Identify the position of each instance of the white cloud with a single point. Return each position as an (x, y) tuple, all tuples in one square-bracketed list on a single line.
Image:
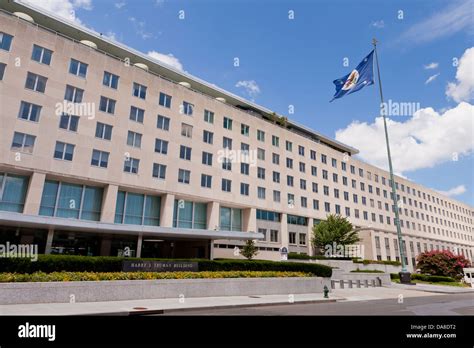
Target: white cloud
[(378, 24), (425, 140), (432, 65), (167, 59), (447, 21), (120, 4), (63, 8), (431, 78), (111, 35), (463, 89), (140, 28), (455, 191), (158, 3), (250, 87)]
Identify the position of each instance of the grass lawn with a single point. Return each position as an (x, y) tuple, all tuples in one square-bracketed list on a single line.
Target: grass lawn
[(457, 284)]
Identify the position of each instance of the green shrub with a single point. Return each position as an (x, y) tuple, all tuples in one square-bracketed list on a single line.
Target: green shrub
[(377, 262), (97, 276), (442, 263), (73, 263), (425, 278)]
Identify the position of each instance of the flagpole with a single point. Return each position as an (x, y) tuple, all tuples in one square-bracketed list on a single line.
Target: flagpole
[(405, 275)]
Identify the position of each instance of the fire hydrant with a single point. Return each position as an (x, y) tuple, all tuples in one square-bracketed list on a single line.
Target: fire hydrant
[(326, 291)]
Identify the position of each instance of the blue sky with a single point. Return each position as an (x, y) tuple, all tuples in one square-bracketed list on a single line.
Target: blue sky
[(294, 61)]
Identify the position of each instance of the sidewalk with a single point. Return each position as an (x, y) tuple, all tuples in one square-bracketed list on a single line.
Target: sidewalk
[(158, 306), (442, 289)]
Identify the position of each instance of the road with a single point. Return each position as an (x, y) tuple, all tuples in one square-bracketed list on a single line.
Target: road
[(452, 304)]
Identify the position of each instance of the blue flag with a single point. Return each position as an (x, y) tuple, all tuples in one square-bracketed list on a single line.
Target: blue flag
[(357, 79)]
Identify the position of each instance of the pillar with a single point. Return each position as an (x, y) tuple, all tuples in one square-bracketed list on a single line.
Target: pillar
[(309, 236), (284, 239), (49, 241), (167, 209), (250, 220), (34, 194), (213, 216), (139, 246), (109, 203)]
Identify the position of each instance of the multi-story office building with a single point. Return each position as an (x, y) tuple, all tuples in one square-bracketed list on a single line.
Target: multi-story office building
[(104, 148)]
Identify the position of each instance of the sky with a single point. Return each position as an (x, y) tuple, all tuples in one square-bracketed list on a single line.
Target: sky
[(289, 52)]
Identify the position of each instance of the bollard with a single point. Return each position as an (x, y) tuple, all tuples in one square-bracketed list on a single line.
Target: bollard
[(358, 283), (350, 284), (341, 284), (366, 283), (373, 283), (333, 284)]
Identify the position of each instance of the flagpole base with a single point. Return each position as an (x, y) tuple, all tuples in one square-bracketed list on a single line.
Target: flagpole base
[(405, 278)]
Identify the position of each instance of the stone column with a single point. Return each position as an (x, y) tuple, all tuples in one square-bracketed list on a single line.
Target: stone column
[(309, 236), (34, 194), (250, 220), (284, 239), (139, 246), (213, 215), (49, 241), (167, 208), (109, 203)]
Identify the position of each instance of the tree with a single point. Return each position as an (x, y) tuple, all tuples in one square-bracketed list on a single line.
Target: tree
[(442, 263), (335, 231), (249, 250)]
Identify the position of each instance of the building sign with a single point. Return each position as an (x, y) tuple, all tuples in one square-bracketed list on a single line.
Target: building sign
[(159, 266), (284, 253)]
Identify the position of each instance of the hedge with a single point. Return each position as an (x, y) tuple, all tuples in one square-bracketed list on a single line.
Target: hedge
[(425, 278), (73, 263), (377, 262), (95, 276), (296, 256)]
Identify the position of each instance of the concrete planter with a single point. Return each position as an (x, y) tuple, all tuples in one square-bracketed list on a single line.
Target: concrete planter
[(120, 290), (348, 265)]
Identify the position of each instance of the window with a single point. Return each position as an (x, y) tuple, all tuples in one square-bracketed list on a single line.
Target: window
[(289, 146), (261, 154), (300, 150), (227, 143), (264, 232), (107, 105), (315, 204), (29, 111), (206, 180), (226, 185), (314, 171), (274, 236), (187, 108), (275, 141), (78, 68), (103, 131), (131, 165), (185, 152), (276, 177), (312, 155), (302, 184), (245, 148), (64, 151), (12, 191), (69, 122), (275, 159), (136, 114), (184, 176), (289, 180), (161, 146), (304, 202), (325, 174), (73, 94), (137, 209), (186, 130), (227, 123), (207, 137), (159, 171), (302, 167), (208, 116), (315, 187), (71, 201), (323, 158), (327, 207), (292, 237), (289, 163), (165, 100), (139, 90), (110, 80), (163, 123), (2, 70), (226, 163), (244, 189), (5, 41), (344, 166), (36, 82), (189, 214), (134, 139), (244, 168), (244, 130), (260, 135), (276, 196), (100, 158), (334, 177), (334, 162), (302, 238), (207, 158), (230, 219), (261, 192), (41, 55), (261, 173), (23, 142)]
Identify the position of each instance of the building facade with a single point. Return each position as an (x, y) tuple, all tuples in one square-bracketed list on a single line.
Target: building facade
[(106, 151)]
